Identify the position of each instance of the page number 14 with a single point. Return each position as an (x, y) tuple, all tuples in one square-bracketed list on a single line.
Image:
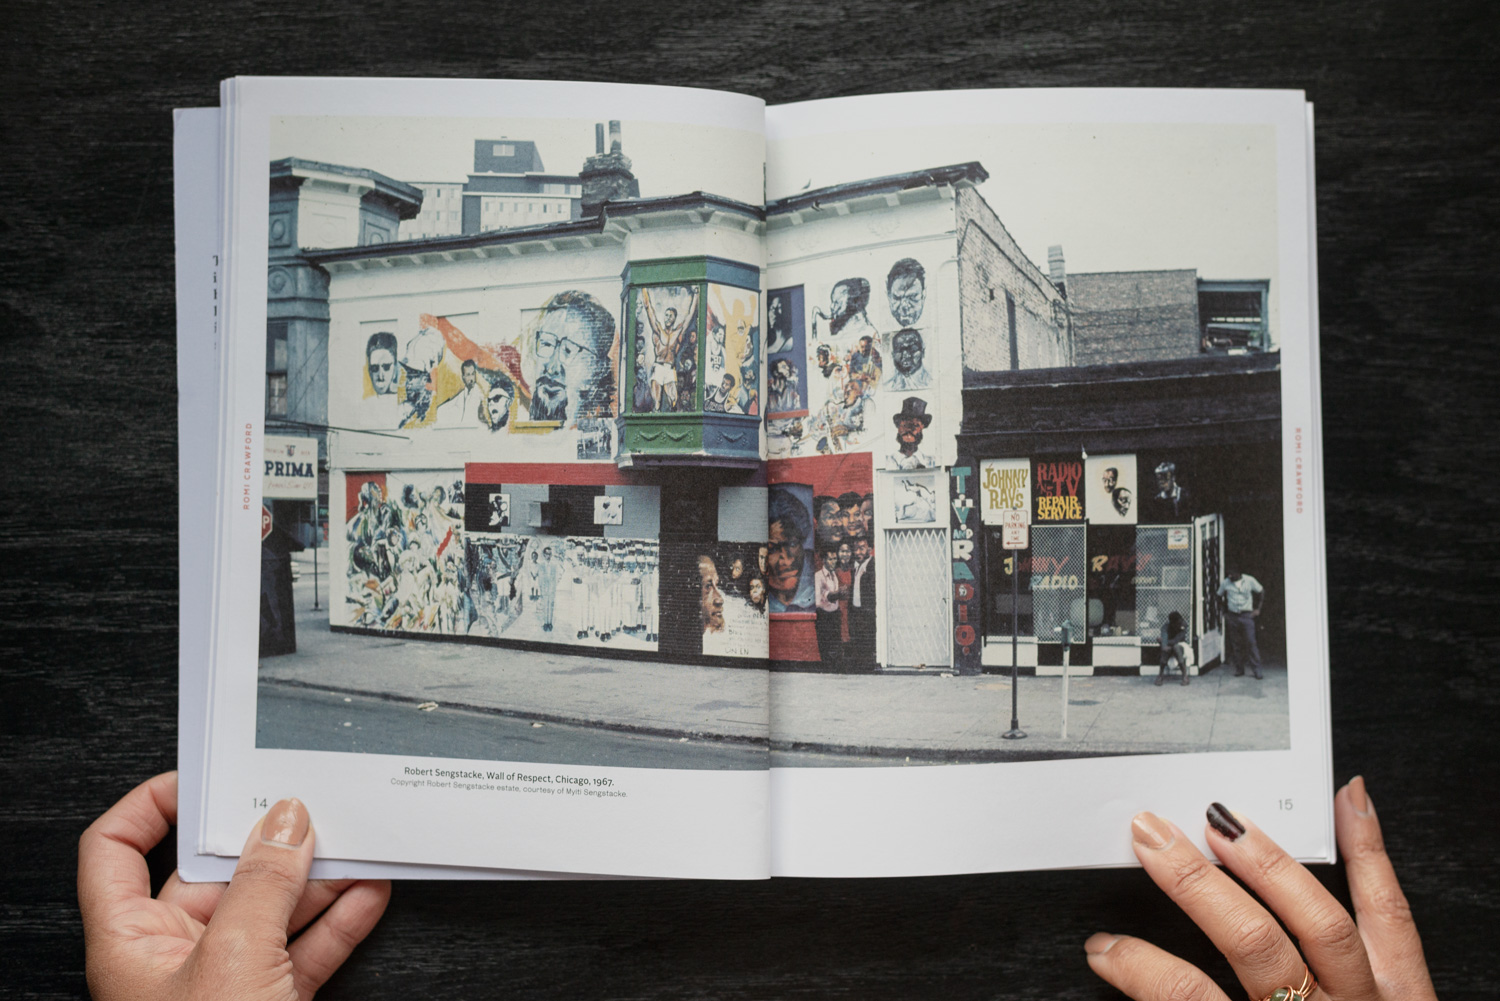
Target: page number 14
[(1283, 805), (260, 804)]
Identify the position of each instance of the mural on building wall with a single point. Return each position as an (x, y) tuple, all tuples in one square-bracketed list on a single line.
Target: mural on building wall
[(840, 632), (443, 378), (906, 291), (1059, 491), (581, 590), (786, 362), (596, 438), (405, 568), (558, 370), (789, 542), (833, 379), (910, 423), (1168, 499), (570, 353), (732, 600), (1005, 485), (1110, 489), (731, 383), (666, 349), (908, 361), (914, 499), (847, 317)]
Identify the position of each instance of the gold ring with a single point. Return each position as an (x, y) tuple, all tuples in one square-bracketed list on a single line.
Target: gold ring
[(1294, 993)]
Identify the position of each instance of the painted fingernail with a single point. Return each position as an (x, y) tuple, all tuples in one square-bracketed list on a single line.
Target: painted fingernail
[(286, 824), (1221, 820), (1358, 797), (1099, 943), (1150, 831)]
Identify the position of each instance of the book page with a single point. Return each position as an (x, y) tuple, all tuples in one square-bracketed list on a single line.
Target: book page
[(1044, 432), (496, 346)]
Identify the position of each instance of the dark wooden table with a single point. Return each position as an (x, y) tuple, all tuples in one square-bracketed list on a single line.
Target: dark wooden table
[(1407, 213)]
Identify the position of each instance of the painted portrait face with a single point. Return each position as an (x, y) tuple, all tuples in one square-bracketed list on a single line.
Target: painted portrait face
[(830, 520), (845, 554), (760, 558), (773, 312), (1109, 478), (737, 569), (783, 559), (867, 515), (909, 431), (757, 591), (710, 598), (907, 351), (383, 370), (573, 364), (862, 549), (1122, 499), (470, 373), (831, 559), (669, 316), (498, 403), (838, 299), (908, 293)]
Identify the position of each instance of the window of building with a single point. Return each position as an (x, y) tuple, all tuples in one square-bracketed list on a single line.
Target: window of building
[(276, 367), (504, 149), (1232, 317)]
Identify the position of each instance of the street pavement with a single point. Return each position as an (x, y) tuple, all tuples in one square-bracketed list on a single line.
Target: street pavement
[(821, 719)]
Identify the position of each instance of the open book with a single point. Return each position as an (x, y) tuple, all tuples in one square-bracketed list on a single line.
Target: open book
[(621, 480)]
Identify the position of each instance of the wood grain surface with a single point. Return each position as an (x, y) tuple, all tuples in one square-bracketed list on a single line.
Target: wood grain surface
[(1407, 213)]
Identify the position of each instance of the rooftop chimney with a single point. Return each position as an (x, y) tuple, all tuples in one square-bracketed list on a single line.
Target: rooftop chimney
[(606, 177), (1055, 268)]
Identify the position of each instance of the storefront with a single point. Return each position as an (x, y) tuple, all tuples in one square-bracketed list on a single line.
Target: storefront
[(1095, 567)]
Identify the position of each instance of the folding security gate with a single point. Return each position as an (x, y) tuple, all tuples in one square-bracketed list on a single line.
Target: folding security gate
[(917, 576)]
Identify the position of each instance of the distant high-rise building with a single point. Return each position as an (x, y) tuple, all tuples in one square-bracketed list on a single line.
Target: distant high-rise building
[(509, 188)]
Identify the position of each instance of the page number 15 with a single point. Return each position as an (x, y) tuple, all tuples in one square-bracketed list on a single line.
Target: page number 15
[(1283, 805)]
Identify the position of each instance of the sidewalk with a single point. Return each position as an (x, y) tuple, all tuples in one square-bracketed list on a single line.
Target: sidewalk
[(924, 718)]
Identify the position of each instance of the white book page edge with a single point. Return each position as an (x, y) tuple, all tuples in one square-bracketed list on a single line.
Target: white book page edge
[(1076, 813), (669, 822)]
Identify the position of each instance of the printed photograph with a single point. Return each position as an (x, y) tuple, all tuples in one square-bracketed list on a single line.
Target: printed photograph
[(577, 499), (1073, 328), (533, 522)]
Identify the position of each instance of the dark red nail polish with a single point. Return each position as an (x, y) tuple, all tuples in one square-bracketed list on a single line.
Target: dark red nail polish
[(1221, 820)]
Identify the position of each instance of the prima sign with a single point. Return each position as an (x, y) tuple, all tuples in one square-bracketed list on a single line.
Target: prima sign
[(290, 468)]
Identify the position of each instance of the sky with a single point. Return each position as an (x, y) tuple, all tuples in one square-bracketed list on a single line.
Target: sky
[(667, 159), (1116, 197)]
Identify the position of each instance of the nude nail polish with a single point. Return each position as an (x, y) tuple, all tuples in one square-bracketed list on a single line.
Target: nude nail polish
[(1150, 831), (286, 824), (1221, 820), (1359, 798), (1100, 943)]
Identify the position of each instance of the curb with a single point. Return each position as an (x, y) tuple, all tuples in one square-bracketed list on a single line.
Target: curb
[(541, 717)]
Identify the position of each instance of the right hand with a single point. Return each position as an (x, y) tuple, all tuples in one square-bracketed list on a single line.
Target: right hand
[(1375, 955)]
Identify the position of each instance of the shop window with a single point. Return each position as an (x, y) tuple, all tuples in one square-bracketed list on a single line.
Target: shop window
[(1232, 317), (1112, 580), (1163, 576), (276, 369)]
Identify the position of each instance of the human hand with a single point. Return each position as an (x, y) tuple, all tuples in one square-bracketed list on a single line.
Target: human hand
[(1373, 956), (214, 940)]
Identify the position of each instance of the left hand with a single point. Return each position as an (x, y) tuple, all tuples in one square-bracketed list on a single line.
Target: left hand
[(214, 940)]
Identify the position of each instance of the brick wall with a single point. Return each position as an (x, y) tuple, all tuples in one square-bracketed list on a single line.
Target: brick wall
[(1130, 316), (1012, 315)]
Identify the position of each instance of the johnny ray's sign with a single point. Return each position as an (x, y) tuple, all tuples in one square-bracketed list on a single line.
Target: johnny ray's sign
[(291, 469)]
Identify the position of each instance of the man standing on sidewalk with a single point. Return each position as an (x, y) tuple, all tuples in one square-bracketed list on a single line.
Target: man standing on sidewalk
[(1242, 595)]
